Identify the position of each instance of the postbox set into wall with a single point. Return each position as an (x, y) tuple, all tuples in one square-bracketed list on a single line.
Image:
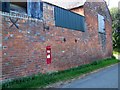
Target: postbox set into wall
[(48, 54)]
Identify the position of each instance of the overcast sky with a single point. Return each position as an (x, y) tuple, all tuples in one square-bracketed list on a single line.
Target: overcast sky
[(112, 3)]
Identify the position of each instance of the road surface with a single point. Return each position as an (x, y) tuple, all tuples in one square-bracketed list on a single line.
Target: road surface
[(106, 78)]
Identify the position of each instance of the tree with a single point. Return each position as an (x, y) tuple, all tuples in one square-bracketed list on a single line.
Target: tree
[(115, 13)]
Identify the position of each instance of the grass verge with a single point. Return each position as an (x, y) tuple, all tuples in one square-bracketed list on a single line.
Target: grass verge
[(42, 80)]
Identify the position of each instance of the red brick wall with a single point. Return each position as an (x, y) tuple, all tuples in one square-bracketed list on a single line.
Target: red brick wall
[(0, 47), (92, 9), (24, 49), (79, 10)]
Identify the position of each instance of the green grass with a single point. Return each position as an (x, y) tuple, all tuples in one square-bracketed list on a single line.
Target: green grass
[(42, 80)]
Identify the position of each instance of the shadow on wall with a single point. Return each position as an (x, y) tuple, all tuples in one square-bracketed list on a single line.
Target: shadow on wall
[(17, 8)]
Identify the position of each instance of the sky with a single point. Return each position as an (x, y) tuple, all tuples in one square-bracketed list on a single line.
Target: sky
[(112, 3)]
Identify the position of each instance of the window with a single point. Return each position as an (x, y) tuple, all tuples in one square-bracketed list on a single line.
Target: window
[(68, 19), (5, 6), (101, 24), (101, 30), (18, 7), (32, 9)]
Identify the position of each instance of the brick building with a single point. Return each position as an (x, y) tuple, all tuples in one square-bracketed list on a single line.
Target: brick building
[(76, 35)]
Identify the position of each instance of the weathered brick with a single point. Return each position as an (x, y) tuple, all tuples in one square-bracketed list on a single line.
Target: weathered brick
[(25, 52)]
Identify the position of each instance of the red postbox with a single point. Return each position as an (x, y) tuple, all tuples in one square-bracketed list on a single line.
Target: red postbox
[(48, 54)]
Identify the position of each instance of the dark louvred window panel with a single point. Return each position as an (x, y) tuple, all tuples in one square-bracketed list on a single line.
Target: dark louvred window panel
[(67, 19), (5, 6)]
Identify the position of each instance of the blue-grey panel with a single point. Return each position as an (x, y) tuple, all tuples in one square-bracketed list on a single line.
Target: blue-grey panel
[(35, 9), (101, 24), (68, 19)]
